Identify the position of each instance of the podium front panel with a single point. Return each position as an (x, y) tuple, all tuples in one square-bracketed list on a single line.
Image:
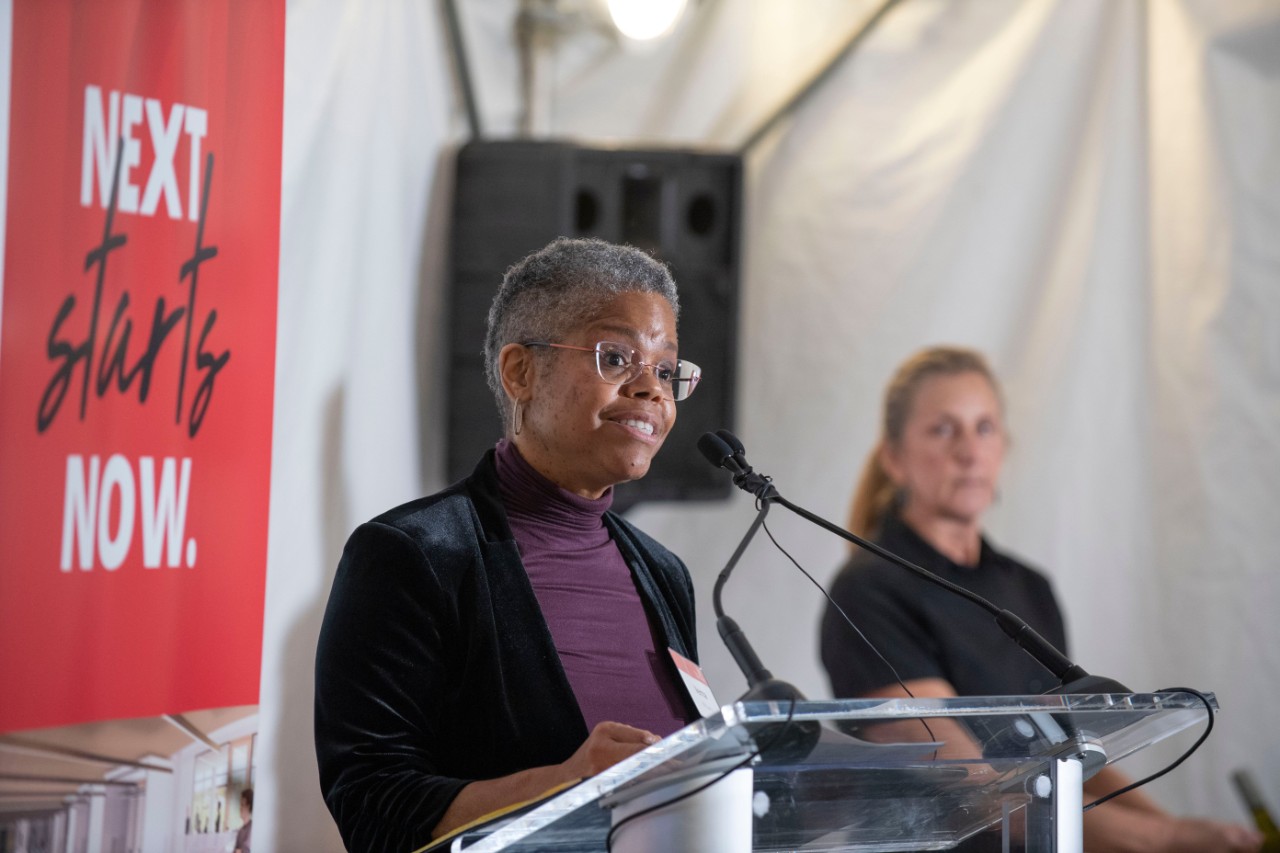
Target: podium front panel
[(970, 773)]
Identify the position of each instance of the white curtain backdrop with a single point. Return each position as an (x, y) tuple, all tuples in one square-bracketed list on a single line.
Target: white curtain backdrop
[(1089, 191), (367, 111)]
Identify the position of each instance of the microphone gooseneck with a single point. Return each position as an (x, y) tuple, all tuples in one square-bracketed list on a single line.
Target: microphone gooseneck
[(761, 685), (724, 450)]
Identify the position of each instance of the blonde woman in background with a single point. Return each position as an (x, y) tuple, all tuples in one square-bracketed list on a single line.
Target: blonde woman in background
[(922, 495)]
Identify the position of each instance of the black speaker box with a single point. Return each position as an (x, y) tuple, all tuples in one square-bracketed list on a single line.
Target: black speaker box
[(683, 207)]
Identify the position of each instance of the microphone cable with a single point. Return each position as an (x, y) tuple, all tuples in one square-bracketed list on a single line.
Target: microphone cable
[(850, 623), (1203, 736), (757, 752)]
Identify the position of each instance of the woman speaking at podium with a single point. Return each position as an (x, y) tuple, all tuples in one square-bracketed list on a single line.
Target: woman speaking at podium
[(922, 495), (509, 634)]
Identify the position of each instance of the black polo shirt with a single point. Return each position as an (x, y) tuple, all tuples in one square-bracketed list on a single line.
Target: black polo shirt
[(926, 631)]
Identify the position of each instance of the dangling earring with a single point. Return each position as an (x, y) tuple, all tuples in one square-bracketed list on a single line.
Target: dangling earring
[(517, 418)]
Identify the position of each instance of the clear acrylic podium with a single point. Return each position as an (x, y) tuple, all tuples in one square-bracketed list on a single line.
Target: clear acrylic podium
[(974, 773)]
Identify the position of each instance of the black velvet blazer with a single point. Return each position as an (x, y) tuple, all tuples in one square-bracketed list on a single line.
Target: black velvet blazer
[(435, 666)]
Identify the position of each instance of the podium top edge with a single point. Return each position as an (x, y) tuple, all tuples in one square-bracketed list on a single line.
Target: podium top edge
[(1155, 702)]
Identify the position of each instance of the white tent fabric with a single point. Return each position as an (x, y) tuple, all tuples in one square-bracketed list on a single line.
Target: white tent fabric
[(1088, 191), (366, 114)]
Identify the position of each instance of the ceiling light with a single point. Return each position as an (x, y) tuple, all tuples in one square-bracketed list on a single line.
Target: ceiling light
[(643, 20)]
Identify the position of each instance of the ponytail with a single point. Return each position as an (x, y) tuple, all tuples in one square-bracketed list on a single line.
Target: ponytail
[(873, 498)]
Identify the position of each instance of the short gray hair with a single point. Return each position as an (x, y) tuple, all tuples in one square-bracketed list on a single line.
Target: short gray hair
[(551, 291)]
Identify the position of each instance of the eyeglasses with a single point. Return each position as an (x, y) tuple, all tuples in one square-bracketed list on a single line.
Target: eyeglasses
[(619, 364)]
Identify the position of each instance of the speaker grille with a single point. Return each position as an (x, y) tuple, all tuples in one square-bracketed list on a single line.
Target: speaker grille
[(683, 207)]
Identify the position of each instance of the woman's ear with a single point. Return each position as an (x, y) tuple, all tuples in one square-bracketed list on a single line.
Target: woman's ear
[(889, 462), (516, 369)]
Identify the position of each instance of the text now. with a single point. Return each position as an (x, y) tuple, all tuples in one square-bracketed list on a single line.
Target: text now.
[(93, 491)]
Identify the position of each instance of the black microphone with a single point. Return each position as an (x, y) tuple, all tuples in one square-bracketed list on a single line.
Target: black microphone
[(786, 742), (731, 440), (724, 450), (718, 452), (761, 685)]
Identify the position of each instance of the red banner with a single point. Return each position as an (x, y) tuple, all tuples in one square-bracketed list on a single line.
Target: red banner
[(137, 354)]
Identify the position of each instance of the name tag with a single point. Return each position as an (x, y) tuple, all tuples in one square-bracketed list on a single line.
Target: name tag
[(696, 684)]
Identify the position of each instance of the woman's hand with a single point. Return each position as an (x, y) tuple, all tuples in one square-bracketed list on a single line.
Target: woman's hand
[(1116, 828), (607, 744), (1198, 835)]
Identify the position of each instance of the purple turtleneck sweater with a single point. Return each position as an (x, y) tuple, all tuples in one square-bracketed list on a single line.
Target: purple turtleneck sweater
[(611, 651)]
